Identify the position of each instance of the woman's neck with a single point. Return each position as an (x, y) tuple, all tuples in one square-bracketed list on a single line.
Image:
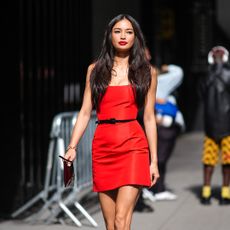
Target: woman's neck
[(121, 60)]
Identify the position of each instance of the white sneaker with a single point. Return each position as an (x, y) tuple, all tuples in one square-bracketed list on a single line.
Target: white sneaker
[(165, 196), (146, 194)]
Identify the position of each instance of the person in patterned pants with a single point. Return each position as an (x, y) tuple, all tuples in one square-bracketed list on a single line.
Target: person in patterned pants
[(216, 148)]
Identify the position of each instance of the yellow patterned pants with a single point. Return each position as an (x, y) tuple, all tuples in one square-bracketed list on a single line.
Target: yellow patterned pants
[(212, 150)]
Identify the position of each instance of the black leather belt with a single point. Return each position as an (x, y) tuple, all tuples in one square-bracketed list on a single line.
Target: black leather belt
[(113, 121)]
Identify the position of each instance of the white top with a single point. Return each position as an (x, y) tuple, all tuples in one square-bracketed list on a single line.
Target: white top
[(168, 82)]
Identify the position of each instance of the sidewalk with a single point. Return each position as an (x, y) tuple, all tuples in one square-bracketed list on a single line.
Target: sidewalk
[(186, 213)]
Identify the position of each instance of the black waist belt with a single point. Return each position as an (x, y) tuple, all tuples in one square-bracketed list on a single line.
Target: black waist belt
[(113, 121)]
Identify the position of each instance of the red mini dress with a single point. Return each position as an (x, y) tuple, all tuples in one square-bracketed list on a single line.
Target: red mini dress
[(120, 152)]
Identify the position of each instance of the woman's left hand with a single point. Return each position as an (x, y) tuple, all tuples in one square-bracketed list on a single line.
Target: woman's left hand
[(154, 173)]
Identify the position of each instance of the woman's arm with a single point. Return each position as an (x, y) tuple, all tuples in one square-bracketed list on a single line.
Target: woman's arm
[(150, 126), (82, 118)]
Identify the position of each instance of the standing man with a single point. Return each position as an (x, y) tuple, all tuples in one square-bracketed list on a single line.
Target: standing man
[(216, 97)]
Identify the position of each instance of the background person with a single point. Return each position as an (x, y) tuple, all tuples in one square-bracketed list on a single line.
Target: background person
[(170, 123), (215, 89)]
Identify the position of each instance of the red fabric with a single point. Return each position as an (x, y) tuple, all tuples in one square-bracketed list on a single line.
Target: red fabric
[(120, 151)]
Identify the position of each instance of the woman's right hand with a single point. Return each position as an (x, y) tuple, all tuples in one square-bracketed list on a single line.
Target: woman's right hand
[(70, 154)]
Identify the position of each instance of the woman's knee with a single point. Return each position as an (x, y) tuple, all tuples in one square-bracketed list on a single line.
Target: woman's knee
[(121, 222)]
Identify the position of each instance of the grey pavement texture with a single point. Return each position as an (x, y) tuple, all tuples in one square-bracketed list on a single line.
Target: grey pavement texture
[(186, 213)]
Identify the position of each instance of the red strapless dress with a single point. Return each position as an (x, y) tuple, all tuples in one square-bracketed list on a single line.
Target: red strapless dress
[(120, 151)]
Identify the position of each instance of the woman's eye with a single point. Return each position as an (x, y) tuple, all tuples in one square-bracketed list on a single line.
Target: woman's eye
[(129, 32), (116, 31)]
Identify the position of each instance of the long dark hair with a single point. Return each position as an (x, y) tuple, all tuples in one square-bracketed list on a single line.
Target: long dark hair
[(139, 74)]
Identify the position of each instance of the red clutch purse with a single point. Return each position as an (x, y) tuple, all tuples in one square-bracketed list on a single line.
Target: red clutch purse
[(68, 172)]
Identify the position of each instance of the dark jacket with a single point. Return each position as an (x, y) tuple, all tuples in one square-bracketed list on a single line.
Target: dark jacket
[(216, 97)]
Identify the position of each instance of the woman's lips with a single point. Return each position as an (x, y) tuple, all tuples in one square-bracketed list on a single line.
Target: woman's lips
[(122, 43)]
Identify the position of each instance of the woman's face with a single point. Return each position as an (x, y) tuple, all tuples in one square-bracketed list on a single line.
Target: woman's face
[(123, 35)]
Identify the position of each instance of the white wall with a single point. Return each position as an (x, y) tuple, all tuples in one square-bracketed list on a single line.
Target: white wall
[(103, 11)]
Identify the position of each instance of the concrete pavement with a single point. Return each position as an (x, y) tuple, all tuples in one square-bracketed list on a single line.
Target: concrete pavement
[(186, 213)]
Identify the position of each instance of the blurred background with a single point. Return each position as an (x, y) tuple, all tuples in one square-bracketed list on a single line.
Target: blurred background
[(46, 48)]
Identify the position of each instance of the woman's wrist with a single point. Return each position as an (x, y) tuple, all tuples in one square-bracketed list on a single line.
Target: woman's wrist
[(154, 162), (74, 147)]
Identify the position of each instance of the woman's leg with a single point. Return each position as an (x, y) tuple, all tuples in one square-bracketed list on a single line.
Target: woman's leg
[(108, 203), (126, 199)]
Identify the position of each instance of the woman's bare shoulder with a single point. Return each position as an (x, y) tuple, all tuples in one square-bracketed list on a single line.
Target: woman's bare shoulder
[(89, 70), (153, 70), (91, 66)]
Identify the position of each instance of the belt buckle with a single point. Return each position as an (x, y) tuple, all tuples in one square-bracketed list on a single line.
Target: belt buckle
[(112, 120)]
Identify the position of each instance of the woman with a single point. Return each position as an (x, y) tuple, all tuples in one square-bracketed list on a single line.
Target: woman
[(117, 84)]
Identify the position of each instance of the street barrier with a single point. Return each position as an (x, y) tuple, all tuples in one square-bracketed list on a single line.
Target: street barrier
[(55, 197)]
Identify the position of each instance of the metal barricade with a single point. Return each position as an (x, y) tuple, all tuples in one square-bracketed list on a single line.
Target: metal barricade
[(53, 193)]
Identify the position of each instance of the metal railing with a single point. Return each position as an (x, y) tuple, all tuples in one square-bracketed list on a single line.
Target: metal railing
[(56, 198)]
